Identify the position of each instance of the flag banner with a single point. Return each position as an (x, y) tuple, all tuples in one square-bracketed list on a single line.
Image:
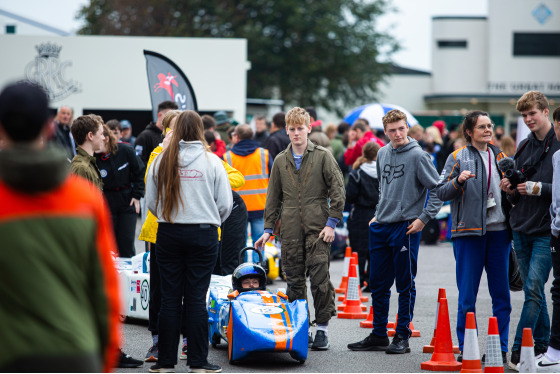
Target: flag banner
[(168, 82)]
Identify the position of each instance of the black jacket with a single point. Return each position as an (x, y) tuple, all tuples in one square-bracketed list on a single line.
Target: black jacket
[(122, 172), (146, 141), (530, 214), (261, 137), (63, 139), (277, 142), (362, 190)]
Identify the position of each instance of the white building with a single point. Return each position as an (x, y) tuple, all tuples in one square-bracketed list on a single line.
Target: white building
[(107, 74), (11, 23), (485, 63)]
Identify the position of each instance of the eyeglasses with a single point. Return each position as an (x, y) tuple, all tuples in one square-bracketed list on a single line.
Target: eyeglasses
[(490, 126)]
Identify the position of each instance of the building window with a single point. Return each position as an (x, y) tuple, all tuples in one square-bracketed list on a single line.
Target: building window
[(452, 44), (10, 29), (536, 44)]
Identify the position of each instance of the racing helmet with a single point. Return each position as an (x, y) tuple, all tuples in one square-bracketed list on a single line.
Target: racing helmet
[(248, 270)]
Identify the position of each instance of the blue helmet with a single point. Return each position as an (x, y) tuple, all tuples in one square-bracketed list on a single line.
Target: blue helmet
[(248, 270)]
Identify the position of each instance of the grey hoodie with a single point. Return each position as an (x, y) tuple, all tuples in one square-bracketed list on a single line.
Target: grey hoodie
[(205, 187), (405, 175)]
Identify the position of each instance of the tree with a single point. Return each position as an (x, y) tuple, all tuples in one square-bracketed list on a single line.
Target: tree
[(314, 52)]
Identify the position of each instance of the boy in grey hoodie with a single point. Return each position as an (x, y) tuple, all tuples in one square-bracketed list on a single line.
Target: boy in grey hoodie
[(405, 173)]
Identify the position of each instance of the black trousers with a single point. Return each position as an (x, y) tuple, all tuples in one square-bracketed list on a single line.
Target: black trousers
[(234, 237), (358, 234), (155, 296), (555, 291), (124, 220), (186, 256)]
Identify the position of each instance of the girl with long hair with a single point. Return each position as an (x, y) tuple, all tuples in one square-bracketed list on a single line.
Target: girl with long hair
[(188, 190)]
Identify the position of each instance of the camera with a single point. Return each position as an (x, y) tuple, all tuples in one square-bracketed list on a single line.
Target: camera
[(515, 177), (507, 166)]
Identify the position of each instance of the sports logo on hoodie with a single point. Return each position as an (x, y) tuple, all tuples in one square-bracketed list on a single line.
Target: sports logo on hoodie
[(391, 172)]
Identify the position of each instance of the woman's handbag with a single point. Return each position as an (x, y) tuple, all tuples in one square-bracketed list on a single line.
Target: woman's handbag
[(515, 282)]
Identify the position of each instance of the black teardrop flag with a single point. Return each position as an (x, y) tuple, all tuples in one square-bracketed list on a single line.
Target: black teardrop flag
[(168, 82)]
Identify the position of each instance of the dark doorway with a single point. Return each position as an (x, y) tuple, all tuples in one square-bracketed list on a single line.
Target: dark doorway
[(138, 118)]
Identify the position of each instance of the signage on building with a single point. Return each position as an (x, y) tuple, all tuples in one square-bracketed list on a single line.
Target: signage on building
[(48, 71), (542, 13), (521, 87)]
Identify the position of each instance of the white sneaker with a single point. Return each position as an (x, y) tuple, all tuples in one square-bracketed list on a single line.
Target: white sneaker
[(537, 358), (546, 366)]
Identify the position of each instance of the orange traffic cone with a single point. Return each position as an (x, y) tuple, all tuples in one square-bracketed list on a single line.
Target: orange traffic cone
[(430, 347), (362, 298), (494, 362), (391, 330), (443, 358), (343, 305), (353, 308), (527, 363), (368, 322), (344, 281), (415, 333), (353, 262), (471, 352)]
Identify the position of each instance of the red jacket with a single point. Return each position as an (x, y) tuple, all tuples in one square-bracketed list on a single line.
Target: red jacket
[(352, 154), (220, 148)]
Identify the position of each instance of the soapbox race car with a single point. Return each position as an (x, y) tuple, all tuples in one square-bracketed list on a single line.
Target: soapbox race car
[(253, 319)]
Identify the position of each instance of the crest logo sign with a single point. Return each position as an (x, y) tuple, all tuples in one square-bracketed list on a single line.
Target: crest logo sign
[(48, 71)]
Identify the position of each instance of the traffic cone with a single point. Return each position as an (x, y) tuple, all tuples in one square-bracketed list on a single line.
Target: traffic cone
[(353, 308), (368, 322), (344, 281), (471, 352), (353, 262), (415, 333), (430, 347), (443, 358), (494, 362), (391, 330), (362, 298), (527, 363)]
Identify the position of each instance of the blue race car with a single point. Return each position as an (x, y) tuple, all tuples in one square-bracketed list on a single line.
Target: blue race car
[(251, 319)]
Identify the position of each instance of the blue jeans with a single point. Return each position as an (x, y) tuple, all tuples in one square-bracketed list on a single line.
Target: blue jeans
[(187, 255), (472, 255), (257, 228), (533, 256), (393, 258)]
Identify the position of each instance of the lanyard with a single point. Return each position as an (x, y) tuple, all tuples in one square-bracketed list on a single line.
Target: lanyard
[(489, 171)]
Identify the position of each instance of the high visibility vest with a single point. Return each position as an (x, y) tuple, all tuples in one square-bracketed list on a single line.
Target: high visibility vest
[(254, 169)]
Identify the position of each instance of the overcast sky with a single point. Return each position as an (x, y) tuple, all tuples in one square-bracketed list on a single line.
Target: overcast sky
[(410, 24)]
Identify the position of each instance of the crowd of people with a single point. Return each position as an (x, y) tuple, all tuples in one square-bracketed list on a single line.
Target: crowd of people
[(203, 186)]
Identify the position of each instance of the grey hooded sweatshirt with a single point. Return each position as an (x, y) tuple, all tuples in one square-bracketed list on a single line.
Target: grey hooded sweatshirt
[(205, 188), (405, 176)]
